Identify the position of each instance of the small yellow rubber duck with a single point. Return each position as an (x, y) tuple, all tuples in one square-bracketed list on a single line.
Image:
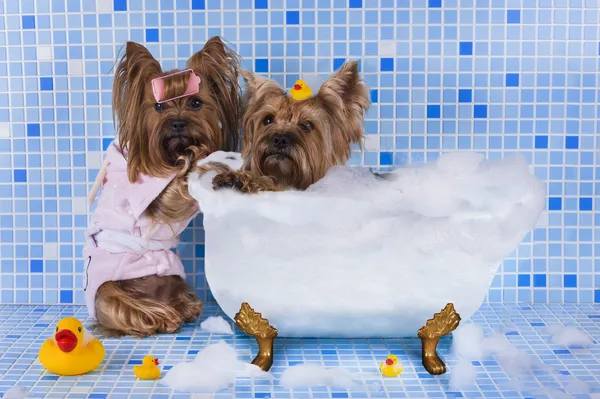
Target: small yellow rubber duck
[(391, 367), (71, 351), (148, 370), (300, 91)]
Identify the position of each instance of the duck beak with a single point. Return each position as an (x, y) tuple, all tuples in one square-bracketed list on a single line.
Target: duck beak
[(156, 362), (297, 87), (66, 340), (389, 362)]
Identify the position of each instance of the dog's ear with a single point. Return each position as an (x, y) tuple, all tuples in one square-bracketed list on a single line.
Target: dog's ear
[(346, 97), (219, 68), (133, 73), (259, 88)]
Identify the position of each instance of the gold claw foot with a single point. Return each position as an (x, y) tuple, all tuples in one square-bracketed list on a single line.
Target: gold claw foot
[(443, 323), (252, 323)]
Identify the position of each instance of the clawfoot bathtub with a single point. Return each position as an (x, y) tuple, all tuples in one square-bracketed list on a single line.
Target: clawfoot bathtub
[(357, 256)]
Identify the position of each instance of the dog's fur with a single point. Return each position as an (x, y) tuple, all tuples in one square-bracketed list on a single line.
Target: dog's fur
[(292, 144), (148, 305)]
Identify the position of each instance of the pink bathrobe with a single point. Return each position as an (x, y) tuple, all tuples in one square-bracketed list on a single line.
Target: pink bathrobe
[(121, 243)]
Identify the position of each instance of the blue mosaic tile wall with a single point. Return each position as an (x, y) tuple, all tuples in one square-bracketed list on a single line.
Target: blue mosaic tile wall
[(496, 76)]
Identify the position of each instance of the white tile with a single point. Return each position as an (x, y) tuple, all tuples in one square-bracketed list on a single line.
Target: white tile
[(44, 53), (94, 160), (387, 48), (4, 129), (80, 205), (50, 250), (372, 142), (75, 67), (104, 5), (79, 390)]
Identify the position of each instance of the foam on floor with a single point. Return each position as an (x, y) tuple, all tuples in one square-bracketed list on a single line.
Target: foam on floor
[(349, 255), (215, 368), (568, 336), (311, 375), (216, 325)]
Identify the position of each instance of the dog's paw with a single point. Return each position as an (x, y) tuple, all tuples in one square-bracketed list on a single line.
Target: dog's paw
[(227, 180)]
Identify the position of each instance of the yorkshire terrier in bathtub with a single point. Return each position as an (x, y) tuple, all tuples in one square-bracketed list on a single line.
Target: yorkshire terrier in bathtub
[(166, 122), (291, 144)]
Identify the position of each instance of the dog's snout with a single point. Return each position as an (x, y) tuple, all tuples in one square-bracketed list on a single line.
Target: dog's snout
[(178, 125), (281, 141)]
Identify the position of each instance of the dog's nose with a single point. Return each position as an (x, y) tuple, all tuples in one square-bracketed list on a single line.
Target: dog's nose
[(178, 125), (281, 141)]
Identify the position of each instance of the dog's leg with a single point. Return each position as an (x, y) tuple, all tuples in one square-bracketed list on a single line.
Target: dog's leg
[(244, 182), (443, 323), (136, 307), (185, 301)]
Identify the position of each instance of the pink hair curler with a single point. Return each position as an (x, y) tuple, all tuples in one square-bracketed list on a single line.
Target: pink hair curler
[(158, 86)]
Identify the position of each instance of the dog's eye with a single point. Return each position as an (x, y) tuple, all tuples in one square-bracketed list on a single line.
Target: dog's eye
[(158, 107), (268, 120), (307, 127), (196, 104)]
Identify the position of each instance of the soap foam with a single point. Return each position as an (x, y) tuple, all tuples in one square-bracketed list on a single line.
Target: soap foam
[(568, 336), (216, 325), (311, 375), (16, 392), (354, 251), (215, 368)]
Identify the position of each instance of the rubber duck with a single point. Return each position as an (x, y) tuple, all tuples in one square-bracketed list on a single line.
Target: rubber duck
[(300, 91), (148, 370), (391, 367), (71, 351)]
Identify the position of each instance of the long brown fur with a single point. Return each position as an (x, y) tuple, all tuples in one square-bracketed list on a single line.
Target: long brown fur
[(145, 306), (320, 130)]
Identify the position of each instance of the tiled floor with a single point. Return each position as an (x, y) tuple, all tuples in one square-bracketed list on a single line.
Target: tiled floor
[(23, 329)]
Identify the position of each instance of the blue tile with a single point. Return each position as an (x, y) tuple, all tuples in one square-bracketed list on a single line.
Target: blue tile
[(355, 3), (480, 111), (541, 141), (435, 3), (554, 203), (261, 4), (28, 22), (36, 266), (374, 96), (20, 175), (539, 280), (570, 281), (466, 48), (433, 111), (33, 129), (524, 280), (387, 65), (46, 84), (512, 80), (465, 95), (572, 142), (585, 204), (261, 65), (120, 5), (386, 158), (513, 16), (66, 296), (292, 17), (597, 296), (337, 63), (198, 4), (152, 35)]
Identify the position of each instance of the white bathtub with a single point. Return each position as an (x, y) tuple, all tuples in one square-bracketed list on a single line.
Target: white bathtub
[(358, 257)]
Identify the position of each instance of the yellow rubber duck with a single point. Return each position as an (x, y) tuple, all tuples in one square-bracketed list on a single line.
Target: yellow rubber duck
[(71, 351), (300, 91), (148, 370), (391, 367)]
